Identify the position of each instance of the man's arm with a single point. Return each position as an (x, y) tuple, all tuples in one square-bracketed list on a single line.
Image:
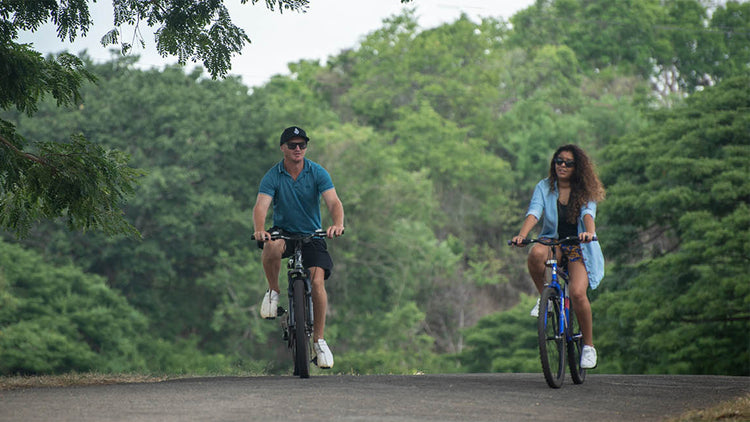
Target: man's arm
[(260, 211), (336, 209)]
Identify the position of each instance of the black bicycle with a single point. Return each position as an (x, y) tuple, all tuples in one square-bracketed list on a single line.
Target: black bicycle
[(297, 327), (557, 325)]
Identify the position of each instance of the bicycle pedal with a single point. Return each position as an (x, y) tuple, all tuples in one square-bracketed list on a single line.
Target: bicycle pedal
[(280, 311)]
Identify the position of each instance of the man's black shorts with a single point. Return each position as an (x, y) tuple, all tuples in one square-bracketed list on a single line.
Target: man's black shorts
[(314, 253)]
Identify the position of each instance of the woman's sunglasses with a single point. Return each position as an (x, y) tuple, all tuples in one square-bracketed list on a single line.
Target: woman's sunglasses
[(561, 162)]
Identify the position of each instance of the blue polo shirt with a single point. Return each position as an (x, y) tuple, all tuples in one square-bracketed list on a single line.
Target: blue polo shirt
[(296, 203)]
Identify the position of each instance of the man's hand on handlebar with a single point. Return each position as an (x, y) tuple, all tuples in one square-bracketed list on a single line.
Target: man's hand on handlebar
[(262, 236), (334, 231)]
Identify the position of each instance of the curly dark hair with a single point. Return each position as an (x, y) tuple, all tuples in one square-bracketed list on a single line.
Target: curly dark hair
[(585, 185)]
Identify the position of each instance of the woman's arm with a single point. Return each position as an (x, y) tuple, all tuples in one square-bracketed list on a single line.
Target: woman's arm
[(526, 227), (590, 225)]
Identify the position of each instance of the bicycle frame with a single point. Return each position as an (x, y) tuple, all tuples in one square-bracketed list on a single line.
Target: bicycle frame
[(562, 291)]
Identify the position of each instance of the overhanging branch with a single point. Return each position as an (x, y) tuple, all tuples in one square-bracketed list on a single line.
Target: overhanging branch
[(26, 155)]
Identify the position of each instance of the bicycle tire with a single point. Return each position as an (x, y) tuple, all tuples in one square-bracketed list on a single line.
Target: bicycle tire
[(575, 347), (551, 340), (300, 342)]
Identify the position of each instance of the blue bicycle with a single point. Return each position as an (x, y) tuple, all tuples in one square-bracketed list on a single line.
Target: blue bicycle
[(558, 330)]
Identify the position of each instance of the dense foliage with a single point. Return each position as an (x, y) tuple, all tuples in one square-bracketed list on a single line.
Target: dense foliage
[(680, 221), (42, 178), (434, 139)]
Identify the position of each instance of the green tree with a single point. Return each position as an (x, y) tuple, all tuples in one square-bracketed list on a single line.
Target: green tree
[(189, 207), (730, 56), (85, 183), (678, 219), (433, 139), (503, 342), (56, 319), (672, 44)]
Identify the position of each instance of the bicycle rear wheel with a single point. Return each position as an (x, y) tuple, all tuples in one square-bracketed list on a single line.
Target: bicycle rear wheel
[(551, 338), (300, 339), (575, 346)]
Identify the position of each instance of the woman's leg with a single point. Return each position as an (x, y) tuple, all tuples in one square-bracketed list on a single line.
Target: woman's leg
[(537, 257), (578, 284)]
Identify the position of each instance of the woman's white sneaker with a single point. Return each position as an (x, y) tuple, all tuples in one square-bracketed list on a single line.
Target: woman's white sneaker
[(535, 310)]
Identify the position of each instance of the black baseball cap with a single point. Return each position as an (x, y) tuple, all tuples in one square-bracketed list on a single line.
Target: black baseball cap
[(293, 132)]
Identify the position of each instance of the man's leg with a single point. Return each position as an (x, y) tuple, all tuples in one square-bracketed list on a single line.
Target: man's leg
[(323, 354), (320, 301), (271, 259)]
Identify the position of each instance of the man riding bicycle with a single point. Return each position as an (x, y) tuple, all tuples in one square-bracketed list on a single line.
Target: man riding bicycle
[(294, 186)]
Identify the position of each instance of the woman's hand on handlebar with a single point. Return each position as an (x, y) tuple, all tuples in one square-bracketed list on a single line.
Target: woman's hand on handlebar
[(518, 241), (586, 237)]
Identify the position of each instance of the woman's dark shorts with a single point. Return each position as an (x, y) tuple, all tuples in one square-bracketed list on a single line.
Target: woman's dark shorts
[(314, 254), (573, 252)]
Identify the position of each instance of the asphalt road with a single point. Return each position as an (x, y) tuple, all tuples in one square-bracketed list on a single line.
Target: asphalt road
[(465, 397)]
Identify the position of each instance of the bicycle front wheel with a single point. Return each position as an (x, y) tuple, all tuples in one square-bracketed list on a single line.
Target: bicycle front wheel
[(300, 341), (575, 346), (551, 338)]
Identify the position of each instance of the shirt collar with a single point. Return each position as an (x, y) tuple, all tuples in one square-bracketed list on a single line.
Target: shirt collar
[(305, 168)]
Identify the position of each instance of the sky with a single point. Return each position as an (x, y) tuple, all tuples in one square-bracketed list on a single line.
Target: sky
[(277, 39)]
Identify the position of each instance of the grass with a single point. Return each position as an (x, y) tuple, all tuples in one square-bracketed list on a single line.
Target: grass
[(736, 410), (74, 379)]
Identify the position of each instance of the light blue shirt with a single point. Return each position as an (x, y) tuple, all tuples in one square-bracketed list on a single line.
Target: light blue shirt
[(543, 206), (296, 203)]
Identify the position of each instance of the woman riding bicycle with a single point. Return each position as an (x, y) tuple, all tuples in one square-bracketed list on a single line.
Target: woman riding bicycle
[(566, 203)]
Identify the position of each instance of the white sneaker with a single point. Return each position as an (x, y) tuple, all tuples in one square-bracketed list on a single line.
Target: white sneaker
[(588, 357), (270, 304), (535, 310), (323, 355)]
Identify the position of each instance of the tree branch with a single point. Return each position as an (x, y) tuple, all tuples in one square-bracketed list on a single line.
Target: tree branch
[(26, 155)]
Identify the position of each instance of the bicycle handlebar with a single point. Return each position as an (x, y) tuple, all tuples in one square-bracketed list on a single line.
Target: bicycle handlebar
[(280, 234), (552, 242)]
